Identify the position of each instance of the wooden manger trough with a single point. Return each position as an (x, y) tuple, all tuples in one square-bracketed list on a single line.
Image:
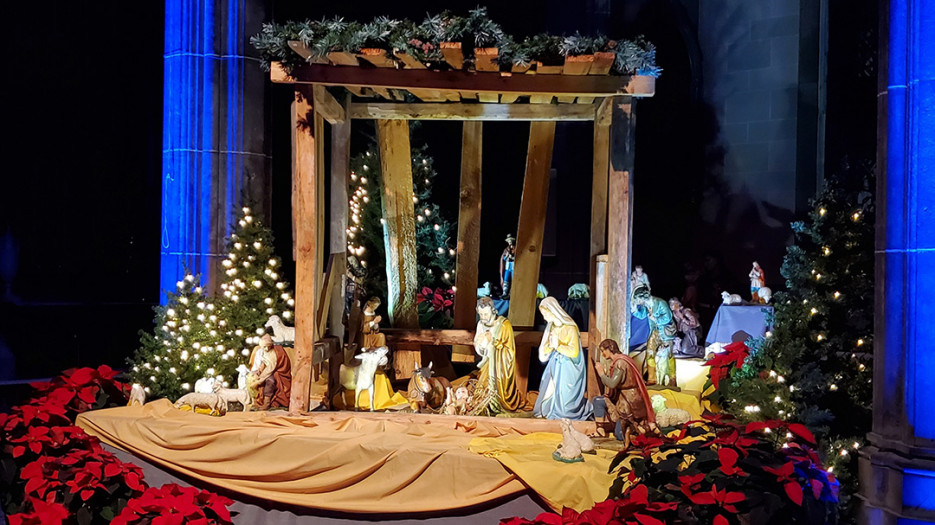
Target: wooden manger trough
[(393, 89)]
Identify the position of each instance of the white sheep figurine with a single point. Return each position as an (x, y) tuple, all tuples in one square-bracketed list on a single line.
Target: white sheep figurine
[(137, 395), (668, 417), (197, 399), (281, 332), (574, 443), (764, 294), (238, 395), (731, 298), (205, 385), (361, 377)]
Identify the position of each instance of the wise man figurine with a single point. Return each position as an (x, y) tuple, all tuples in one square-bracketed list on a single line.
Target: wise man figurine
[(493, 342), (506, 265), (663, 333)]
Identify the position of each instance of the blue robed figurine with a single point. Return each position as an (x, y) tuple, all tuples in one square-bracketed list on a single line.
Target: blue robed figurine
[(663, 332), (562, 391)]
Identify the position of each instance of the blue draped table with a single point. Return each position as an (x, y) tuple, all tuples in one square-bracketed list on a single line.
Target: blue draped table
[(731, 319)]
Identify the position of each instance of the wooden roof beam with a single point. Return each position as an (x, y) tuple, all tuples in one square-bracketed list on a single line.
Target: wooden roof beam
[(558, 85), (456, 111)]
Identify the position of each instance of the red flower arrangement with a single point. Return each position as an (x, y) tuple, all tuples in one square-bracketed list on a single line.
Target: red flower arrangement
[(715, 471), (174, 504), (436, 309), (722, 363), (53, 472)]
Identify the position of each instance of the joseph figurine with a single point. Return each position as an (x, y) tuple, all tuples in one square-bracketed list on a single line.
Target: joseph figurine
[(271, 373), (494, 343)]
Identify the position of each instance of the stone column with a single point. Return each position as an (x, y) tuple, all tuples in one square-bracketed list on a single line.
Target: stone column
[(214, 134), (897, 471)]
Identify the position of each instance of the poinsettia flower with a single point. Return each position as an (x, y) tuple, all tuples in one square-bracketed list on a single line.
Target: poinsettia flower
[(728, 458), (41, 476), (722, 498), (132, 474), (43, 513), (106, 372), (33, 440), (790, 485)]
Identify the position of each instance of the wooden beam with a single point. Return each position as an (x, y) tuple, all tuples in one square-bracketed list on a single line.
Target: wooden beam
[(600, 169), (468, 111), (327, 106), (469, 213), (324, 301), (307, 240), (620, 220), (399, 216), (532, 213), (521, 335), (468, 81), (340, 171)]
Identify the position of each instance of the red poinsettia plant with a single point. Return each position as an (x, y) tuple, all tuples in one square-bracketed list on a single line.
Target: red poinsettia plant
[(78, 390), (715, 471), (436, 308), (171, 504), (723, 363)]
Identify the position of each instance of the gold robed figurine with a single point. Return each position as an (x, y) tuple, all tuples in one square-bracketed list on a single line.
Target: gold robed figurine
[(494, 343)]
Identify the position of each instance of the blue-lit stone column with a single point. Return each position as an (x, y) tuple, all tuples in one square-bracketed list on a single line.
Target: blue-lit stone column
[(214, 146), (898, 470)]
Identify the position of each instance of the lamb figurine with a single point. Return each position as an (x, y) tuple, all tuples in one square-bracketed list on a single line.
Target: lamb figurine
[(137, 395), (233, 394), (281, 332), (361, 377), (573, 444), (668, 417), (197, 399), (205, 385), (731, 298), (764, 294)]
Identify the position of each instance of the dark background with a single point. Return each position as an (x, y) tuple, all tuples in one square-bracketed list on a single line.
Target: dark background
[(80, 195)]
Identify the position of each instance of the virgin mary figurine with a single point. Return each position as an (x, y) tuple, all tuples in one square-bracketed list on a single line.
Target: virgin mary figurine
[(564, 381)]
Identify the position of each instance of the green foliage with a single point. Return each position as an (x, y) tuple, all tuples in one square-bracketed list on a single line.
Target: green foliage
[(421, 40), (816, 366), (197, 336), (435, 234)]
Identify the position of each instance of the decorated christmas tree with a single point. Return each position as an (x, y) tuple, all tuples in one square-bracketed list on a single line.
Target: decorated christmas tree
[(815, 366), (199, 337), (435, 235), (252, 288), (185, 345)]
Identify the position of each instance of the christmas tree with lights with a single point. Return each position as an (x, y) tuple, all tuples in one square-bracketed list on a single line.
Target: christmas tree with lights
[(252, 287), (185, 345), (435, 234), (815, 367), (199, 337)]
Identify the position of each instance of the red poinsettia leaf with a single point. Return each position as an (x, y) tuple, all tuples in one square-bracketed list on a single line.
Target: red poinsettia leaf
[(734, 497), (794, 491), (426, 291), (86, 494), (106, 372), (82, 376), (569, 515), (720, 520), (170, 519), (49, 513), (691, 480), (112, 469), (799, 430), (18, 451), (35, 446), (549, 518), (754, 426), (41, 386), (728, 458), (134, 481), (644, 519), (817, 486), (88, 394), (703, 498), (219, 505)]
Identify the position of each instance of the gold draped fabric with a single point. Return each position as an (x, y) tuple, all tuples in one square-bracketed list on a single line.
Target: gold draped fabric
[(340, 461)]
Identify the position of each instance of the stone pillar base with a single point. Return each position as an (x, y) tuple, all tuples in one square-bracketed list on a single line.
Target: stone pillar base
[(897, 484)]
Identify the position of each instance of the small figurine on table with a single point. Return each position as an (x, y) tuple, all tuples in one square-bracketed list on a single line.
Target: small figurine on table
[(757, 280), (626, 403), (638, 279), (564, 380), (662, 336), (370, 331), (506, 265)]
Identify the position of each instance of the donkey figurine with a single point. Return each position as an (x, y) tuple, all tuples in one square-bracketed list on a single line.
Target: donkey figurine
[(426, 391)]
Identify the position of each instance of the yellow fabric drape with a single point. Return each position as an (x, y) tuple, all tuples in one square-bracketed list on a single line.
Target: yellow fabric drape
[(575, 485), (383, 396), (344, 461), (504, 361)]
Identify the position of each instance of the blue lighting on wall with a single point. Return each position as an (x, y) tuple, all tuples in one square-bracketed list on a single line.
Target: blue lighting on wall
[(202, 163)]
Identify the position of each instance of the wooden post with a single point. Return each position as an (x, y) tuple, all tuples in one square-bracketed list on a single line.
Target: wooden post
[(305, 213), (600, 168), (340, 171), (620, 219), (399, 215), (531, 227), (469, 214)]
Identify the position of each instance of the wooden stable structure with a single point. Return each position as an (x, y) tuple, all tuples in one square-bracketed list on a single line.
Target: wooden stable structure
[(375, 86)]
